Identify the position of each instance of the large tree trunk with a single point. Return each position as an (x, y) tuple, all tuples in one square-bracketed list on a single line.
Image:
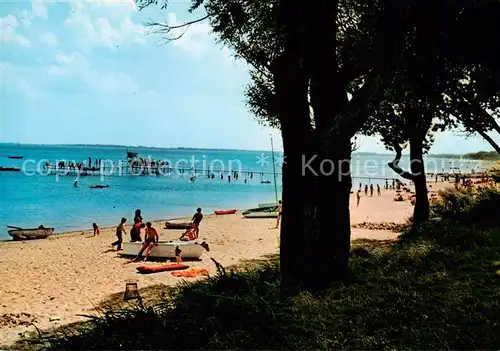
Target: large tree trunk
[(421, 210), (315, 229)]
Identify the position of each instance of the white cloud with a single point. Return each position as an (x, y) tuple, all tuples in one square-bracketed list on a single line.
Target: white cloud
[(8, 32), (69, 72), (38, 9), (96, 23), (48, 38)]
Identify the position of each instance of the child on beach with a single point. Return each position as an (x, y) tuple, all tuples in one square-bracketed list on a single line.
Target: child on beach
[(96, 229), (119, 234), (150, 239), (178, 258)]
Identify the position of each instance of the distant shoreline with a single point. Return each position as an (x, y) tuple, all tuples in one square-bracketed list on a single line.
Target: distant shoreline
[(478, 156)]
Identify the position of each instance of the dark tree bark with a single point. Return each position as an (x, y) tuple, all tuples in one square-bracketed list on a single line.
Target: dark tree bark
[(416, 175), (291, 87), (316, 176), (421, 210), (490, 141)]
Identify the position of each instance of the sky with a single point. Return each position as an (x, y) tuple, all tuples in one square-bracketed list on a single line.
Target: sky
[(92, 72)]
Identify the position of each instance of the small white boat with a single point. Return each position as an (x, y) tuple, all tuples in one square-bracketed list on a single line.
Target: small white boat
[(30, 234), (166, 249)]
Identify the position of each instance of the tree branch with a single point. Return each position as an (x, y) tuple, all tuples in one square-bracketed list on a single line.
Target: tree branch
[(166, 28), (394, 165), (490, 140)]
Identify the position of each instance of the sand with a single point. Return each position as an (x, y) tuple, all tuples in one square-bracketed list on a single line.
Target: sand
[(50, 282)]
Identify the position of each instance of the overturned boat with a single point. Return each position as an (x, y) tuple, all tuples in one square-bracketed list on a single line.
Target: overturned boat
[(30, 234)]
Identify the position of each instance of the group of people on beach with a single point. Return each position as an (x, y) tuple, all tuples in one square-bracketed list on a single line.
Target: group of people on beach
[(151, 237)]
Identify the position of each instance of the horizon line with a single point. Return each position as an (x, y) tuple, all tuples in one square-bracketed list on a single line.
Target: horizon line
[(205, 148)]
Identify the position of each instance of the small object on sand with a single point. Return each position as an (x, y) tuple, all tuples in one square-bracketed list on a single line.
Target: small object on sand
[(190, 273), (131, 291), (161, 268), (53, 319)]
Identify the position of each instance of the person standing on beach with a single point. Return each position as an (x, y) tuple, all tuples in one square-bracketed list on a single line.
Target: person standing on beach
[(96, 229), (119, 234), (196, 220), (378, 190), (279, 209), (358, 197), (135, 232), (366, 189), (371, 189), (150, 239)]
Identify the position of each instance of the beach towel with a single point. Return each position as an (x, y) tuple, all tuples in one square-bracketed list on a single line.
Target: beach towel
[(190, 273)]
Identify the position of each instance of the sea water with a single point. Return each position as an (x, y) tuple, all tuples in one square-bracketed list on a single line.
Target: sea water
[(30, 197)]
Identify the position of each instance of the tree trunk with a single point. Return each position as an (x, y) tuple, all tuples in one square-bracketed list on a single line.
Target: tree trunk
[(421, 210)]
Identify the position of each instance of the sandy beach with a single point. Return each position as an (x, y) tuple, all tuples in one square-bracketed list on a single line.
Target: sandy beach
[(50, 282)]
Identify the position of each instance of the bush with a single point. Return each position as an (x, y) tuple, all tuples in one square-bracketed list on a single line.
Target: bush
[(480, 207)]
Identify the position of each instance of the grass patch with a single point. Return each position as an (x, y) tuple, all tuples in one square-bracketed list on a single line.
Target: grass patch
[(439, 288)]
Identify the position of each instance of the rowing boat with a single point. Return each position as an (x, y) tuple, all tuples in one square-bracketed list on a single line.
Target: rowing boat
[(178, 225), (30, 234), (261, 215), (224, 212), (166, 249), (270, 208), (9, 169)]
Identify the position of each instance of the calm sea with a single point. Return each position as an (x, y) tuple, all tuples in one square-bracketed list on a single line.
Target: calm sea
[(30, 197)]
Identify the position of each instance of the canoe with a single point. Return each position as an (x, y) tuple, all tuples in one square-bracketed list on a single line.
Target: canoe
[(31, 234), (16, 157), (161, 268), (166, 249), (261, 215), (178, 225), (9, 169), (224, 212), (99, 186)]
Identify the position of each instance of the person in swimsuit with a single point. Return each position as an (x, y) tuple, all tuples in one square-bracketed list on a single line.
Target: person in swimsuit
[(196, 220), (119, 230), (150, 240), (96, 229), (135, 232), (197, 217), (280, 212)]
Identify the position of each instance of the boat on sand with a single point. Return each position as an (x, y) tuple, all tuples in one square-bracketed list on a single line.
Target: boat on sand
[(224, 212), (31, 233), (166, 249), (264, 209), (178, 225), (261, 215)]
